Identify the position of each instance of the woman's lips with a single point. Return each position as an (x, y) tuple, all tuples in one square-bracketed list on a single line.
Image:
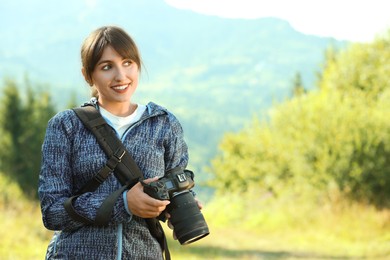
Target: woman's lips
[(121, 87)]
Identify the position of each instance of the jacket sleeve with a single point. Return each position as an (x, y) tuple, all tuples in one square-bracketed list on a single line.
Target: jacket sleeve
[(176, 150), (56, 182)]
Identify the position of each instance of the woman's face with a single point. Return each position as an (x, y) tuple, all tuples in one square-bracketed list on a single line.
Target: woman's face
[(115, 79)]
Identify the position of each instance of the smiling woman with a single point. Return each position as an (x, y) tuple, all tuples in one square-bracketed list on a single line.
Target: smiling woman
[(111, 64), (71, 157), (115, 79)]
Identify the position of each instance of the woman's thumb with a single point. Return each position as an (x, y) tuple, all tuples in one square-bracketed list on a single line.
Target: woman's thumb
[(147, 181)]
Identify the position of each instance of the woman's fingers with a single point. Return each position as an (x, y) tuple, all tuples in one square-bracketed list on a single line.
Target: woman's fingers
[(147, 181), (141, 204), (200, 205)]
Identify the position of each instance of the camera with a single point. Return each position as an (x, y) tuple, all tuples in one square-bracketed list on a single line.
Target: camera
[(188, 222)]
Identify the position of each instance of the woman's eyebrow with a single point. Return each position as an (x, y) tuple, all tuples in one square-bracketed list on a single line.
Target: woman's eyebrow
[(108, 61), (103, 61)]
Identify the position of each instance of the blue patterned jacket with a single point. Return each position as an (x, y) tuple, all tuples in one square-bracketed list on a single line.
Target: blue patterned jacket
[(71, 156)]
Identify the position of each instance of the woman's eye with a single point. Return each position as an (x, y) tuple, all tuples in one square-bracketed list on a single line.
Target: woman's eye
[(127, 63), (106, 67)]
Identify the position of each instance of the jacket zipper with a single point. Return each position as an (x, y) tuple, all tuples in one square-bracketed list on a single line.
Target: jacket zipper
[(120, 225)]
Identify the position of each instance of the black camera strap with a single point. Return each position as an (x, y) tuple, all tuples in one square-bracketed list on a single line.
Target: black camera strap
[(125, 170)]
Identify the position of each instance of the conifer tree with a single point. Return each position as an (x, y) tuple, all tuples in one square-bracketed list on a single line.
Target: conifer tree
[(23, 128), (298, 88)]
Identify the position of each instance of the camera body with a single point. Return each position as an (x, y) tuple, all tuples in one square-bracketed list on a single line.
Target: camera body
[(188, 222), (174, 181)]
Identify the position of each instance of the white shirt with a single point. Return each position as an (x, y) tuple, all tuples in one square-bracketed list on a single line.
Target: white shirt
[(122, 123)]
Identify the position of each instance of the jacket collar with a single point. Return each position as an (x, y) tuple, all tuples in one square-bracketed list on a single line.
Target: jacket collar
[(152, 109)]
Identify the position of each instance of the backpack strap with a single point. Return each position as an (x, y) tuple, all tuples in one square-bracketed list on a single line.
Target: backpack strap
[(125, 170), (116, 152), (110, 143)]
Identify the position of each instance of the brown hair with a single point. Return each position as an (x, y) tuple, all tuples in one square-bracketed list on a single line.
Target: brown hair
[(93, 47)]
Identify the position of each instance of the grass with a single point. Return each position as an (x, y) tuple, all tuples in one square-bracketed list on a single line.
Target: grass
[(290, 229), (22, 235), (240, 228)]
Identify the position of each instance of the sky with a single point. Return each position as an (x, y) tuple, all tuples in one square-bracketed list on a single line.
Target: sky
[(353, 20)]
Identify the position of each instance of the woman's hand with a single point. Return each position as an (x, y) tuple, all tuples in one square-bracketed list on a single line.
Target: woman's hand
[(200, 205), (141, 204)]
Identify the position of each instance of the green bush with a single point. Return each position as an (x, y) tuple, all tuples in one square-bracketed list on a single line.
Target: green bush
[(335, 136)]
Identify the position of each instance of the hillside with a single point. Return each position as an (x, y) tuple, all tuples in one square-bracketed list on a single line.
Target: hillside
[(213, 73)]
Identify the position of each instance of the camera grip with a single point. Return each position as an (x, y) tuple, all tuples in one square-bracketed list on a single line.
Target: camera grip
[(155, 190)]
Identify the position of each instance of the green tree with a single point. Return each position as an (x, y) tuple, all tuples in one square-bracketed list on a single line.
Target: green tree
[(336, 137), (298, 88), (362, 66), (72, 100), (11, 119), (330, 56), (24, 122)]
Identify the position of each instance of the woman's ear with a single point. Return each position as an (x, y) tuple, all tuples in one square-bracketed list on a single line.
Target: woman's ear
[(86, 77)]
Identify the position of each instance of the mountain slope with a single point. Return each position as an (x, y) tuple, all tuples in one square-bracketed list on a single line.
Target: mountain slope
[(213, 73)]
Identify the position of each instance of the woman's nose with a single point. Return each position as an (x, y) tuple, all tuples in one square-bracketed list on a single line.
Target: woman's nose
[(120, 74)]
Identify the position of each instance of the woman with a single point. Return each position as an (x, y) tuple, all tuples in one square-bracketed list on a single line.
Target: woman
[(71, 157)]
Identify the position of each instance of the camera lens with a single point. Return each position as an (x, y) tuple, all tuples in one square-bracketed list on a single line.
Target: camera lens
[(187, 220)]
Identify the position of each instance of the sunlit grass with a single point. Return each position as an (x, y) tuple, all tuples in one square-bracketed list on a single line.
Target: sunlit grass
[(22, 235), (296, 227), (241, 227)]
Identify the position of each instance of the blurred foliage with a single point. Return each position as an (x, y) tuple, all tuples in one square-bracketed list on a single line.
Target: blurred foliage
[(334, 137), (24, 116), (362, 66), (298, 88)]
